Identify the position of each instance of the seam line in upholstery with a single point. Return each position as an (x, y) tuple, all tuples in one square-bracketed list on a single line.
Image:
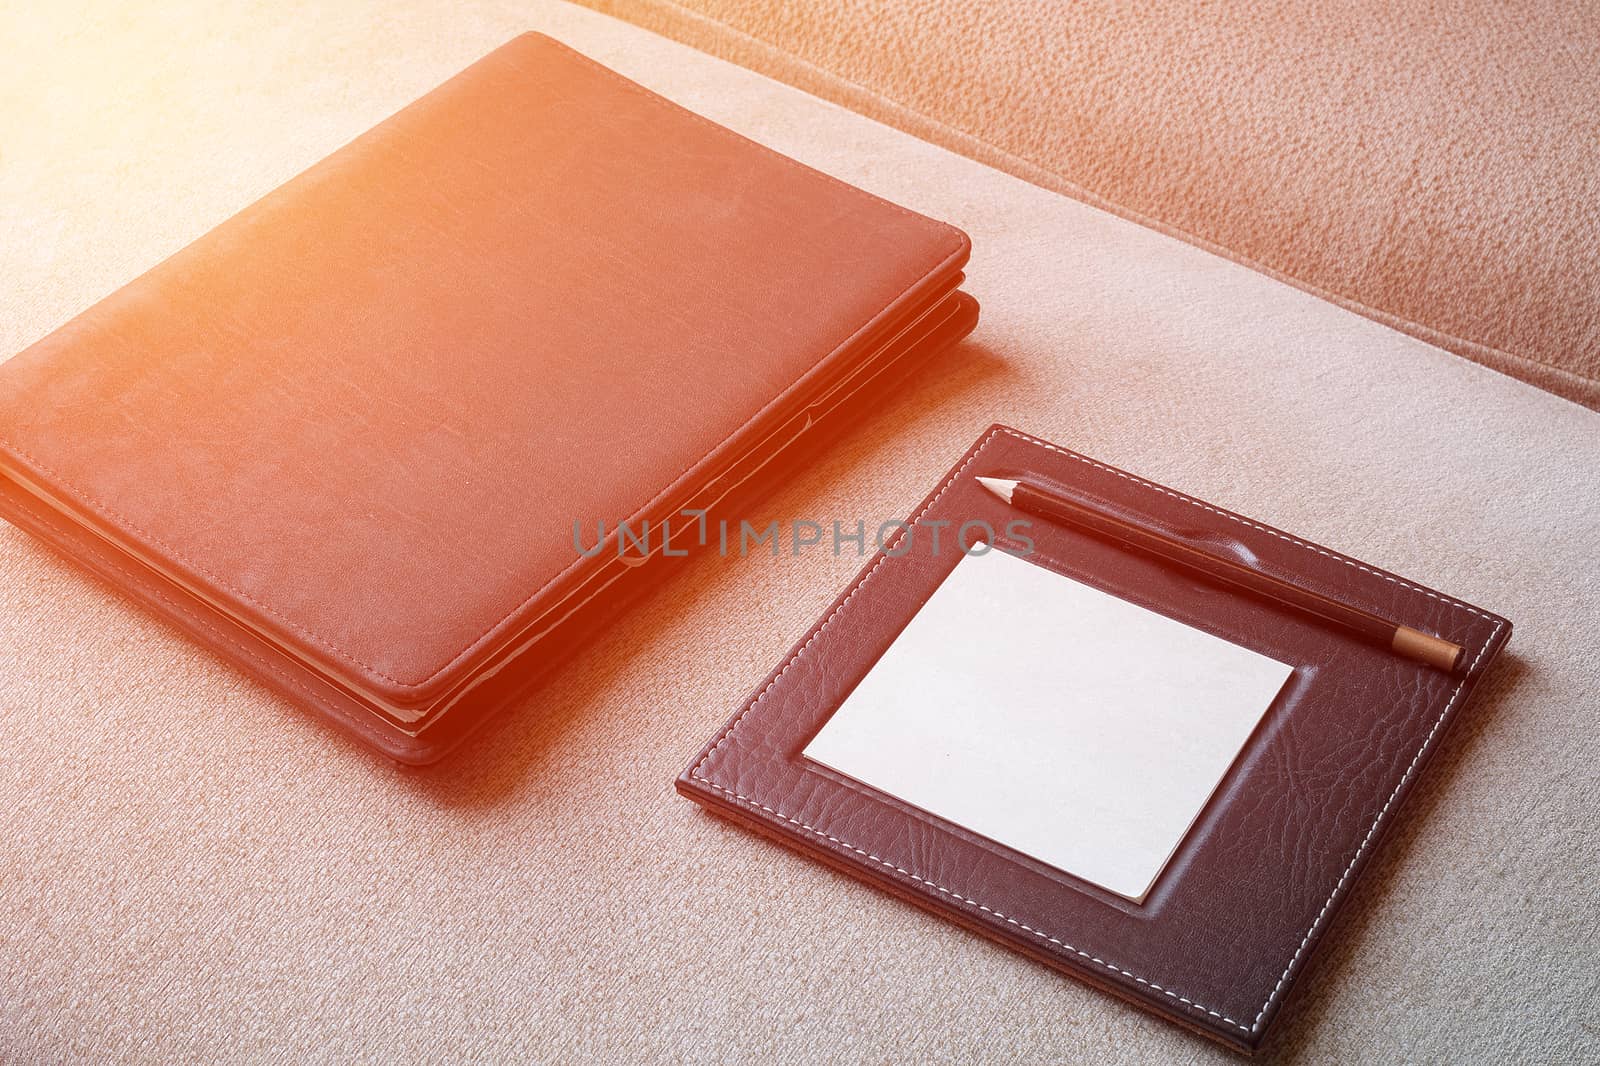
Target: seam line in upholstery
[(1077, 191)]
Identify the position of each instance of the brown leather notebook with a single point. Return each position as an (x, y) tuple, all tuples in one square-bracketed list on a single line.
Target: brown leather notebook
[(363, 437), (1252, 886)]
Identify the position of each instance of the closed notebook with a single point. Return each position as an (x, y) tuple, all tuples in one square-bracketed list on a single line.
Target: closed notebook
[(345, 438)]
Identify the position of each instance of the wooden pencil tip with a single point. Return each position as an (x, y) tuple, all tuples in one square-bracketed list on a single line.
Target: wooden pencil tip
[(1427, 648), (1001, 487)]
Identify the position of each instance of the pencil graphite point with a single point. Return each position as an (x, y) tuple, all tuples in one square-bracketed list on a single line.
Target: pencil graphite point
[(1000, 486)]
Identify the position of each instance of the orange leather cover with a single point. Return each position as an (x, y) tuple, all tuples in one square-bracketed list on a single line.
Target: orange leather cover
[(344, 437)]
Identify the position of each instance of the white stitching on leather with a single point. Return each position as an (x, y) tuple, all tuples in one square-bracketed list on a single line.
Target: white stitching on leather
[(1372, 831), (1230, 516), (972, 902), (883, 557), (1282, 982)]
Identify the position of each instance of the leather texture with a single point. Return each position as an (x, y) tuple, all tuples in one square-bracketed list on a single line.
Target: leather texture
[(346, 436), (1231, 923)]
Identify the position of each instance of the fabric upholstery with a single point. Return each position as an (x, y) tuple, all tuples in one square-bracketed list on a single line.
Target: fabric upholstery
[(1430, 165), (191, 870)]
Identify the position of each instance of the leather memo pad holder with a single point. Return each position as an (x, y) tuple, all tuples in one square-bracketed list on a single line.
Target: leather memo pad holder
[(1229, 925), (372, 438)]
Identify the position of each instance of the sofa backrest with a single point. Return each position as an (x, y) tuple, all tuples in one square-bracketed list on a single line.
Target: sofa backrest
[(1435, 167)]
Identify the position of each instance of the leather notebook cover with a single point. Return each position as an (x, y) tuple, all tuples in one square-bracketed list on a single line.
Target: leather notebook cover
[(1228, 926), (344, 438)]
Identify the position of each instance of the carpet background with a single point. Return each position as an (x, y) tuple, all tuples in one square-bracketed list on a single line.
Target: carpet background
[(1429, 165), (192, 870)]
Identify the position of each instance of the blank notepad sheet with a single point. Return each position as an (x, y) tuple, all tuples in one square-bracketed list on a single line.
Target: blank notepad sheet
[(1058, 720)]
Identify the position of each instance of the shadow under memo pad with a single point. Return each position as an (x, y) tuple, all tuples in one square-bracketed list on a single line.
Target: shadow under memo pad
[(1051, 717)]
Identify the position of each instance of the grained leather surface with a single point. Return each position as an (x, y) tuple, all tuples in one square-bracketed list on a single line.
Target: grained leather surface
[(1232, 921), (434, 736), (363, 415)]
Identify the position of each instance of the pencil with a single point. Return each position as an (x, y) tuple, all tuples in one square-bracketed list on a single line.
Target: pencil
[(1403, 640)]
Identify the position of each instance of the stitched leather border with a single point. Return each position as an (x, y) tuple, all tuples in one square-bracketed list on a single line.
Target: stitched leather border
[(701, 770)]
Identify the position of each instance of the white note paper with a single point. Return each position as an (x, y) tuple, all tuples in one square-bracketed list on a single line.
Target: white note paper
[(1075, 727)]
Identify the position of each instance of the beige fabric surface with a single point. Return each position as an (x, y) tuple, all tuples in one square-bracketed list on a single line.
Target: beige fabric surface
[(191, 870), (1431, 165)]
